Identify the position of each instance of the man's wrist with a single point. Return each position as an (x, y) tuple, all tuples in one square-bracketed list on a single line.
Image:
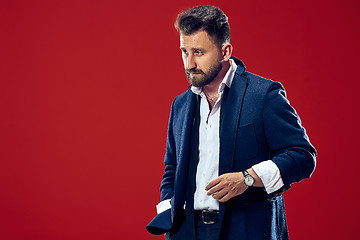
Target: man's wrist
[(248, 179), (257, 180)]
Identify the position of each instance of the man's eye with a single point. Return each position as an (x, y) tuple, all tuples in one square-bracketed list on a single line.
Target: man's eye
[(198, 52)]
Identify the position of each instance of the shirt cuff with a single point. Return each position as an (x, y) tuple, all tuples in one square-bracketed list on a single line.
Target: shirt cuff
[(269, 174), (163, 206)]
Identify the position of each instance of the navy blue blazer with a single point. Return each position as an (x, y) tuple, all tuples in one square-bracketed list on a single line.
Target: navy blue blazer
[(257, 123)]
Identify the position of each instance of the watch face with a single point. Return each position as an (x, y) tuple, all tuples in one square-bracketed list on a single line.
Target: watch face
[(249, 180)]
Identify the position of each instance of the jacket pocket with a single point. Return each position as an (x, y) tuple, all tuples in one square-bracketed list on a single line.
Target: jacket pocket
[(246, 143)]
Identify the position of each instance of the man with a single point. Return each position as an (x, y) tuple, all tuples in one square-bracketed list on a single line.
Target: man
[(234, 143)]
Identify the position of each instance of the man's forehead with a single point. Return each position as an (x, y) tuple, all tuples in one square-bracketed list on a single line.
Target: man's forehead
[(195, 40)]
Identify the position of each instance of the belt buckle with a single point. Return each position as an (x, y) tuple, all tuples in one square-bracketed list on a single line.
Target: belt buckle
[(205, 221)]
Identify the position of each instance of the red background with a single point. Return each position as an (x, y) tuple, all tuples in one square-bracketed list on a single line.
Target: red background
[(85, 93)]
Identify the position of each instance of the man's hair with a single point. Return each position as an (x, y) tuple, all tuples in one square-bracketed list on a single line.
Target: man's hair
[(208, 18)]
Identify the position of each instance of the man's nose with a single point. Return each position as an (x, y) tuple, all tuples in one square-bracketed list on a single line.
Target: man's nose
[(190, 62)]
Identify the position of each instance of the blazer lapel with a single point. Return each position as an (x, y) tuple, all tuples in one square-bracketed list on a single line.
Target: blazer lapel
[(229, 119), (189, 121)]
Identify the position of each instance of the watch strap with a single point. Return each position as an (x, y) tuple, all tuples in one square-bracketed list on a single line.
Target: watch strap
[(245, 173)]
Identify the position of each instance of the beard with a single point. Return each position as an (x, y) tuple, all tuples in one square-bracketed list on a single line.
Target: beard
[(203, 78)]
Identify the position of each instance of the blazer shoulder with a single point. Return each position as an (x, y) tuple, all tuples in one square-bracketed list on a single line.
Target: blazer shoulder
[(181, 99), (182, 96), (260, 84)]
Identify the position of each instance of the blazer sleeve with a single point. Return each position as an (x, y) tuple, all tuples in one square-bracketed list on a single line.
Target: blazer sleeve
[(167, 183), (291, 149), (162, 222)]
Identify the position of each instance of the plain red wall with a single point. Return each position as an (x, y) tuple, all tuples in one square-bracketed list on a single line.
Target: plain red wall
[(85, 93)]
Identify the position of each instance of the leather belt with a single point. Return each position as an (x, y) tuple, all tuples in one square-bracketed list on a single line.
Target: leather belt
[(207, 216)]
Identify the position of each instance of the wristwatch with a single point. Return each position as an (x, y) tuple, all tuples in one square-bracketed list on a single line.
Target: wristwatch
[(248, 179)]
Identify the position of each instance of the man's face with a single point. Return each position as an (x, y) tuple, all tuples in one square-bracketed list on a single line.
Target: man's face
[(201, 57)]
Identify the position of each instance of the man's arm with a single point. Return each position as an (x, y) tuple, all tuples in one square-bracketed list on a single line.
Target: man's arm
[(167, 183), (292, 151), (294, 156), (162, 222)]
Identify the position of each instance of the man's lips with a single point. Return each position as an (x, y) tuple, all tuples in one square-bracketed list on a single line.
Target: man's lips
[(195, 72)]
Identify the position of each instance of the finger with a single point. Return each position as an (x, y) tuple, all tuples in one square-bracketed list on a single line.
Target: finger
[(220, 194), (214, 189), (212, 183), (230, 194), (226, 197)]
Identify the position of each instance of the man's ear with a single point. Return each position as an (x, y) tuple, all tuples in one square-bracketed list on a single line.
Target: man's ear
[(226, 51)]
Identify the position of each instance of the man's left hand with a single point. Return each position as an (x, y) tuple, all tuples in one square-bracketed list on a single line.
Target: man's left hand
[(230, 185), (226, 186)]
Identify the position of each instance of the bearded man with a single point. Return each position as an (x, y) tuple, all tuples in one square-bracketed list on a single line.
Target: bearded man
[(234, 143)]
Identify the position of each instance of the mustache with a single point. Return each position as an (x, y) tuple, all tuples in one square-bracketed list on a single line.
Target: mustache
[(193, 70)]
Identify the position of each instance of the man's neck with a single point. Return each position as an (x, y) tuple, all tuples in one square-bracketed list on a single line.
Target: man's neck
[(211, 90)]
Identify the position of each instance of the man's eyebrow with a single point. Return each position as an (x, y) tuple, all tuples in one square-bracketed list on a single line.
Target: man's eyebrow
[(193, 49)]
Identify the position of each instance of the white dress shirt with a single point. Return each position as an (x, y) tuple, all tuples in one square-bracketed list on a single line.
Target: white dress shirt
[(209, 147)]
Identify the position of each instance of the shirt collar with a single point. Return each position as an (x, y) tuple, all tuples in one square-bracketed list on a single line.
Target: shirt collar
[(227, 80)]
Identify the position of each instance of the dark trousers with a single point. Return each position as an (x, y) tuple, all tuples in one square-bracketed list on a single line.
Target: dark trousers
[(206, 231)]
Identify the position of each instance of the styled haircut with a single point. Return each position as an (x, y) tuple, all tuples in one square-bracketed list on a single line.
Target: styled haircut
[(208, 18)]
